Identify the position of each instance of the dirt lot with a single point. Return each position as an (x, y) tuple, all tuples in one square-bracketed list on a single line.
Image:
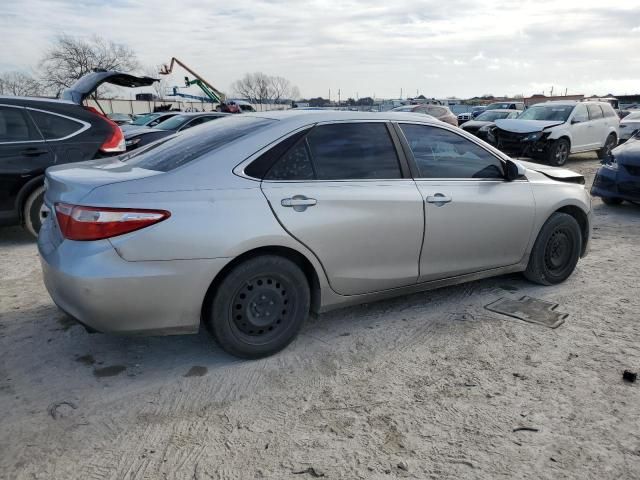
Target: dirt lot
[(425, 386)]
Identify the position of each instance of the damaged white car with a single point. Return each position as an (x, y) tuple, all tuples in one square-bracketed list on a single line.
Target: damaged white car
[(551, 131)]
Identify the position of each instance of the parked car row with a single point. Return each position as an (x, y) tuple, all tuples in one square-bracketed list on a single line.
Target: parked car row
[(439, 112), (143, 135)]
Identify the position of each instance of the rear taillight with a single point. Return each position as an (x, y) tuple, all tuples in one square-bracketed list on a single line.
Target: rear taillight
[(115, 141), (78, 222)]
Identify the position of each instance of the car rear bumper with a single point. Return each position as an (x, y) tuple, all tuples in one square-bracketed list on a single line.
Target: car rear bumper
[(615, 183), (93, 284)]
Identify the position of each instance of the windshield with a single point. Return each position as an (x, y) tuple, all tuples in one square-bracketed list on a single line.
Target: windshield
[(184, 147), (498, 106), (408, 108), (547, 112), (174, 123), (492, 116), (144, 119)]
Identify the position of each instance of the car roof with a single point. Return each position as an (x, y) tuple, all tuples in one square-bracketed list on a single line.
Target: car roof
[(17, 99), (316, 116), (501, 110)]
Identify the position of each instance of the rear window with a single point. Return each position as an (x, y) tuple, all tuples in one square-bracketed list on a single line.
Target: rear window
[(177, 150)]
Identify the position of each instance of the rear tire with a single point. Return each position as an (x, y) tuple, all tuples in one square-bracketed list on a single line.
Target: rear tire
[(558, 152), (614, 201), (609, 144), (259, 307), (32, 212), (556, 252)]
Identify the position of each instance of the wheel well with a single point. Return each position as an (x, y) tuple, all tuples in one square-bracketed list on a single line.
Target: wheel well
[(583, 221), (288, 253)]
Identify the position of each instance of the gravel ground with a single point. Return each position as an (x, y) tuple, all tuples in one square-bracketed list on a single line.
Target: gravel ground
[(430, 385)]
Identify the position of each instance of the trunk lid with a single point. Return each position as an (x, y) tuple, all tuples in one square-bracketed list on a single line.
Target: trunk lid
[(89, 83), (70, 183), (525, 126)]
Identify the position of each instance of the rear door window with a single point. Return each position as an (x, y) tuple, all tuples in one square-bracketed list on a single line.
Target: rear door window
[(348, 151), (595, 112), (15, 126), (55, 127), (180, 149), (294, 165), (609, 111)]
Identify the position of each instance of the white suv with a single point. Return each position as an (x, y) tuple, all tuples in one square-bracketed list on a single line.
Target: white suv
[(552, 130)]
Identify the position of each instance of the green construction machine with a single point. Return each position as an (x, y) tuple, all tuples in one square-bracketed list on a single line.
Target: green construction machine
[(213, 94)]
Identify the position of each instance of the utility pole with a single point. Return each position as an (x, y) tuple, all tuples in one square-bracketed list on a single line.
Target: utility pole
[(400, 93), (551, 94), (338, 97), (329, 95)]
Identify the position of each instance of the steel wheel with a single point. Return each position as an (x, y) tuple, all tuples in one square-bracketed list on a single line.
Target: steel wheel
[(259, 306), (556, 251), (557, 254)]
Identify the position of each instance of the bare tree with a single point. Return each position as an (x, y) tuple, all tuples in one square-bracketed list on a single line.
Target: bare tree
[(70, 58), (164, 83), (19, 84), (261, 88), (282, 89)]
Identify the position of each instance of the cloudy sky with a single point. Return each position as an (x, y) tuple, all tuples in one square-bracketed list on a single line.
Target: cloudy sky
[(435, 47)]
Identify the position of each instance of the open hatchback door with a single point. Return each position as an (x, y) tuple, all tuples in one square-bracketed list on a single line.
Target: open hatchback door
[(85, 86)]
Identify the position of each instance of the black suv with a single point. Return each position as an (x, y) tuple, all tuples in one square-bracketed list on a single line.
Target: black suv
[(36, 133)]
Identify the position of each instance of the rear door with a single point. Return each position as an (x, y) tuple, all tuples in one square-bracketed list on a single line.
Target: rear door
[(23, 156), (597, 125), (341, 191), (474, 219)]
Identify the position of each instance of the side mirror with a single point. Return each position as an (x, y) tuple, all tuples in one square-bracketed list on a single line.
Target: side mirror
[(514, 170)]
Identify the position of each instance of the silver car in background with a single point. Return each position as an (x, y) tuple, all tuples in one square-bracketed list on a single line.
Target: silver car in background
[(249, 223)]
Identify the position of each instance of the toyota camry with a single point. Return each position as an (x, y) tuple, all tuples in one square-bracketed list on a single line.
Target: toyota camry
[(249, 223)]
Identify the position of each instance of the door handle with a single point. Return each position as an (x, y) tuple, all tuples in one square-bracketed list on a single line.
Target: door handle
[(298, 202), (33, 152), (439, 199)]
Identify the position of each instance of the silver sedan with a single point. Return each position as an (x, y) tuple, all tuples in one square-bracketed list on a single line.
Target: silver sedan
[(249, 223)]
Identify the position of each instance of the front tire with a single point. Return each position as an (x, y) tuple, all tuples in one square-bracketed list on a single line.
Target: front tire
[(558, 152), (33, 211), (556, 251), (259, 307), (609, 144)]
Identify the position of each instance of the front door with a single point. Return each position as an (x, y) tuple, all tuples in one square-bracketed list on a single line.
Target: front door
[(340, 191), (581, 129), (475, 219)]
